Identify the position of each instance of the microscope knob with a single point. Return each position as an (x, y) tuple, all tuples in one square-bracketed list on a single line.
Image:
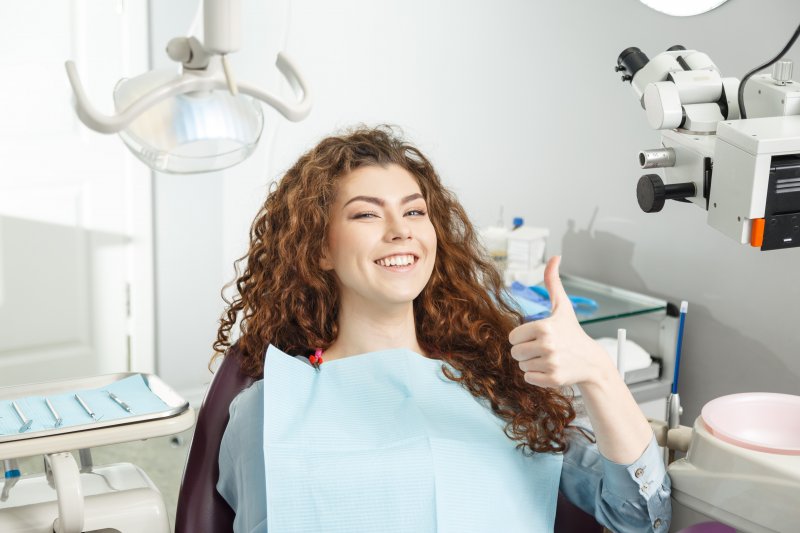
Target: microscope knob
[(782, 72), (650, 193)]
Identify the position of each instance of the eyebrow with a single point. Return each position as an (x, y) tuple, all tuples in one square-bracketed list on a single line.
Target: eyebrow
[(380, 202)]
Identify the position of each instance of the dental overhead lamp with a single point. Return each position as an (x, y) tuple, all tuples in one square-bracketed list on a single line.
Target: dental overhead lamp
[(199, 119)]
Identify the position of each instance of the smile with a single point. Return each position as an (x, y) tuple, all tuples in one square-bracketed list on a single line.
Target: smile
[(397, 260)]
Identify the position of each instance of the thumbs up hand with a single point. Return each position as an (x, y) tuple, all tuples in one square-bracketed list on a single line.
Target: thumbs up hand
[(555, 351)]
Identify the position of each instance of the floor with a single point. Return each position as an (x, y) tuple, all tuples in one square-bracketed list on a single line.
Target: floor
[(162, 459)]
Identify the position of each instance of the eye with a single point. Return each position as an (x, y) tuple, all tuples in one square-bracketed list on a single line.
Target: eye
[(365, 214), (416, 212)]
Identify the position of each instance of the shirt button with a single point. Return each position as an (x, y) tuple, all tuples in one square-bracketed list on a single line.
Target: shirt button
[(657, 523), (639, 472)]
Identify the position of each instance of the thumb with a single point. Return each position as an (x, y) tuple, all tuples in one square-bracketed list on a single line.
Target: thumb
[(558, 296)]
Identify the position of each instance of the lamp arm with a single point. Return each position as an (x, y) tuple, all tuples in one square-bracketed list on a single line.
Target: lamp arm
[(296, 111)]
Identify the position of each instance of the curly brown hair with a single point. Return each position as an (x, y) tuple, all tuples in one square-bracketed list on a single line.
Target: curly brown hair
[(461, 316)]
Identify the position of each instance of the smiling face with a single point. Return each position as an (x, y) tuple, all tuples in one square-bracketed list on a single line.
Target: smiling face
[(381, 243)]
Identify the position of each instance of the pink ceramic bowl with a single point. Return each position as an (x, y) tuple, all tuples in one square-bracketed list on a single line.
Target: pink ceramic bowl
[(763, 421)]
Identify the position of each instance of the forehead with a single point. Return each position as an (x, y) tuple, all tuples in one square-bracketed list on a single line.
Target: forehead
[(388, 183)]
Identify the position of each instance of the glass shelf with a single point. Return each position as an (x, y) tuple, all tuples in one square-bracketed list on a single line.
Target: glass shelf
[(612, 302)]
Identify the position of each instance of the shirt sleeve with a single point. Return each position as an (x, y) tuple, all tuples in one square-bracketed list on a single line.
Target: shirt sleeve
[(242, 477), (623, 498)]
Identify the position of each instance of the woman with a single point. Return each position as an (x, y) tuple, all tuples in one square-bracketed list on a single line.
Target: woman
[(426, 405)]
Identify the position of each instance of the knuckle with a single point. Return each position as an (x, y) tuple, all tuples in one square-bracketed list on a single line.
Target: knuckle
[(517, 352), (521, 333), (512, 336)]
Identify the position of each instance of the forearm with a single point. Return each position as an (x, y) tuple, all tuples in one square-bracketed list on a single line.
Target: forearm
[(621, 429)]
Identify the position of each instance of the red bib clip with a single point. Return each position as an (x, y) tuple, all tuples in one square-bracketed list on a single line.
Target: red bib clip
[(316, 359)]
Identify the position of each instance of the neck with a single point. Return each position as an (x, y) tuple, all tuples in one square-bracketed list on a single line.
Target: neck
[(370, 328)]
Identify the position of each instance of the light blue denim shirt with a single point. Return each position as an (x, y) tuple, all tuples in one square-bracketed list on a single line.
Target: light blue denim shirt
[(634, 497), (624, 498)]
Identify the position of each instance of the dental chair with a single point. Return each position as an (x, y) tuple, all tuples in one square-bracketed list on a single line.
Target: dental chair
[(201, 508)]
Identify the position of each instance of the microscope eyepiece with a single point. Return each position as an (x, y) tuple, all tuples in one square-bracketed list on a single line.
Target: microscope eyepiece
[(632, 59)]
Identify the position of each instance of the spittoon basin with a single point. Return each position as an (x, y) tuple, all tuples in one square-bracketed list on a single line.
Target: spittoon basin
[(763, 421)]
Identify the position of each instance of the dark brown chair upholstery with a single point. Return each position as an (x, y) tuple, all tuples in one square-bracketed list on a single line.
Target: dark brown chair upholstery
[(571, 519), (200, 507)]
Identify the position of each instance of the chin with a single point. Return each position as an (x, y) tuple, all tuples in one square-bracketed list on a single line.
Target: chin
[(402, 298), (399, 300)]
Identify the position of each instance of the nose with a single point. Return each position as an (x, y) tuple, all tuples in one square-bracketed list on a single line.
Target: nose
[(398, 229)]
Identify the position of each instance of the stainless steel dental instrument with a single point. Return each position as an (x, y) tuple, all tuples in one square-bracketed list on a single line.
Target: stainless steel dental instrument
[(26, 422), (53, 412), (86, 408), (118, 401)]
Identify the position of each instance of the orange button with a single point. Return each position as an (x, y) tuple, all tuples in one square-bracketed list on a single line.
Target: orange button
[(757, 233)]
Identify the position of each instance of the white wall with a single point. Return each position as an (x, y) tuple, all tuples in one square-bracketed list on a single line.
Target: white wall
[(518, 105)]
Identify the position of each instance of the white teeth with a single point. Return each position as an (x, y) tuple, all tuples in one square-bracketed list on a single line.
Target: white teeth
[(396, 260)]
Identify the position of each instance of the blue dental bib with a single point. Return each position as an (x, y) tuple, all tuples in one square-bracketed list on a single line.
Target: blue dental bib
[(384, 442)]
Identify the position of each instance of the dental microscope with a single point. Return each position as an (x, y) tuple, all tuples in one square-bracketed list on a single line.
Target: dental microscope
[(730, 148)]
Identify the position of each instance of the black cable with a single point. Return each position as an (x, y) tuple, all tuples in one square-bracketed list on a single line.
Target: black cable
[(747, 76)]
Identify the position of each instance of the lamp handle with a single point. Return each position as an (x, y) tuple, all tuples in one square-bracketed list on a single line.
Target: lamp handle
[(295, 111), (102, 123), (186, 83)]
